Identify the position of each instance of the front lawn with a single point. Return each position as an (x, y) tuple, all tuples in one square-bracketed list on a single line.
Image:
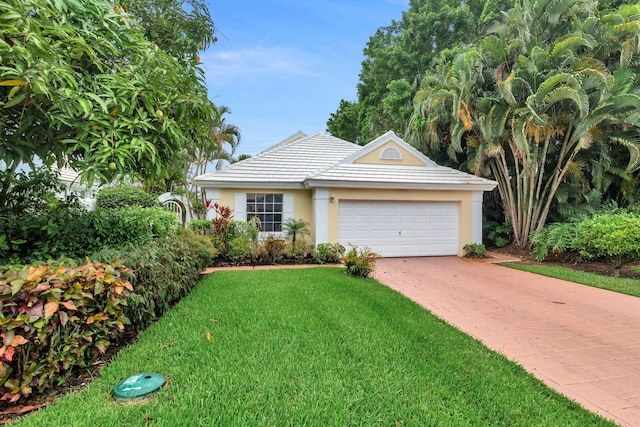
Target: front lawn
[(615, 284), (313, 347)]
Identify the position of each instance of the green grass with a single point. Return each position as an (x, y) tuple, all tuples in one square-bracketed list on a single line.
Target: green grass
[(616, 284), (318, 348)]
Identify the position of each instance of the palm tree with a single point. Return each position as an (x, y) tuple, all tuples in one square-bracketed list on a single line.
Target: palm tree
[(542, 101)]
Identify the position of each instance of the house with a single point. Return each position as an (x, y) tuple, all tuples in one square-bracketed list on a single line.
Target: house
[(70, 179), (385, 195)]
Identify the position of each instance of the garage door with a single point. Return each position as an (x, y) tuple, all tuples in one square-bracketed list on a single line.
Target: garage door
[(395, 229)]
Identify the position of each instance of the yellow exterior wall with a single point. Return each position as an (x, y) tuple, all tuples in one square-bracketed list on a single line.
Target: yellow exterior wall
[(464, 199), (373, 158), (302, 208)]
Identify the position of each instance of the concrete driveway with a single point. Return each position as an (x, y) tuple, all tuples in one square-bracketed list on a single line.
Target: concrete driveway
[(583, 342)]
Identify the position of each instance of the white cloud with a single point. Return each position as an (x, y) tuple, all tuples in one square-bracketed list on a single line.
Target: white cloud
[(257, 60)]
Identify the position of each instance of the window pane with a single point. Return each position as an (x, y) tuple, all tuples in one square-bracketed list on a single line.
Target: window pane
[(268, 198), (277, 198), (251, 197)]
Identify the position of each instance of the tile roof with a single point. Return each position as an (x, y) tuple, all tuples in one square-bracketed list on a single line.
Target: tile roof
[(287, 163), (325, 161), (379, 176)]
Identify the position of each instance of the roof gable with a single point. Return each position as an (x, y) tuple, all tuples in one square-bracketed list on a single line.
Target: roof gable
[(389, 149)]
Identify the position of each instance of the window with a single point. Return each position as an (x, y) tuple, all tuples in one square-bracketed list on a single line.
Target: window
[(268, 209), (391, 153)]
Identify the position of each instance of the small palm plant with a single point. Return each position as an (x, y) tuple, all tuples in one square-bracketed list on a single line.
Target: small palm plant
[(295, 228)]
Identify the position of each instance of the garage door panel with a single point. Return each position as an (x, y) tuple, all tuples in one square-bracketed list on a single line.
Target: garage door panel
[(400, 228)]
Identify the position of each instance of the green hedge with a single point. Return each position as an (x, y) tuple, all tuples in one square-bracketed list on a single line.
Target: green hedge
[(54, 318), (123, 196), (165, 271), (132, 224)]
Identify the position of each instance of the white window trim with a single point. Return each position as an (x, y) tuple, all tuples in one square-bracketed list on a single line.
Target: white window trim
[(240, 201)]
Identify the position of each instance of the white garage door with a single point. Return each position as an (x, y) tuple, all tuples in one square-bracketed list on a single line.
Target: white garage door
[(395, 229)]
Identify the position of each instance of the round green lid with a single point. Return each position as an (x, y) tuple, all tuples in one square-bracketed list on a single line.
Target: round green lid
[(138, 386)]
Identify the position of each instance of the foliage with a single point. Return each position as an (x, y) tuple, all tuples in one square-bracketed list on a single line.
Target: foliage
[(123, 196), (298, 250), (611, 236), (272, 250), (180, 28), (37, 224), (222, 228), (201, 226), (542, 102), (559, 237), (165, 271), (343, 123), (397, 56), (498, 234), (294, 228), (360, 262), (475, 250), (328, 253), (244, 243), (54, 318), (86, 88), (132, 225)]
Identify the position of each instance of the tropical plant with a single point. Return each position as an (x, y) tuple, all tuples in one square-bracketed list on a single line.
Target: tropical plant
[(295, 228), (360, 262), (55, 318), (475, 250), (547, 95), (328, 253)]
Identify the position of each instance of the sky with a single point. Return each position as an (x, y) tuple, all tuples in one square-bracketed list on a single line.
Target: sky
[(284, 65)]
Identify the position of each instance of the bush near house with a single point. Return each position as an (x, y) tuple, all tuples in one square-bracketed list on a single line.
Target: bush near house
[(122, 196), (328, 253), (54, 318), (360, 262)]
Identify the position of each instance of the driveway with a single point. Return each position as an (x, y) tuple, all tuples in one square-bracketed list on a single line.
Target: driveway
[(583, 342)]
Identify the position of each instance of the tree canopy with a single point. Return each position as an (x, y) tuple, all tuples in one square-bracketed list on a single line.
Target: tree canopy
[(397, 56), (80, 84), (545, 100)]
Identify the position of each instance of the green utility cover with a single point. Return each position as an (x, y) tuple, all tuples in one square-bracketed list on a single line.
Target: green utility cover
[(138, 386)]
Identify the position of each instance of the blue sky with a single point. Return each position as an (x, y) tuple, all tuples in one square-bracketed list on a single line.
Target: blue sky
[(283, 65)]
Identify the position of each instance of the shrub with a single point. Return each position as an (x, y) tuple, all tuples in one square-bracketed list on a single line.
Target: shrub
[(475, 250), (499, 234), (272, 250), (55, 318), (37, 224), (360, 262), (201, 226), (614, 237), (328, 253), (165, 271), (123, 196), (132, 224), (297, 250), (560, 237)]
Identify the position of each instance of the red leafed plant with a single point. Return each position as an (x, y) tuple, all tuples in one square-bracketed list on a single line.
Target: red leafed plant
[(53, 318)]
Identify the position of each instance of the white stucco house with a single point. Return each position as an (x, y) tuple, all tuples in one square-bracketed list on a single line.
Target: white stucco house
[(385, 195)]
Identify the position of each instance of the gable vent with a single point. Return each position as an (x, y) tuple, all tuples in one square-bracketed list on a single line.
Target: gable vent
[(391, 153)]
